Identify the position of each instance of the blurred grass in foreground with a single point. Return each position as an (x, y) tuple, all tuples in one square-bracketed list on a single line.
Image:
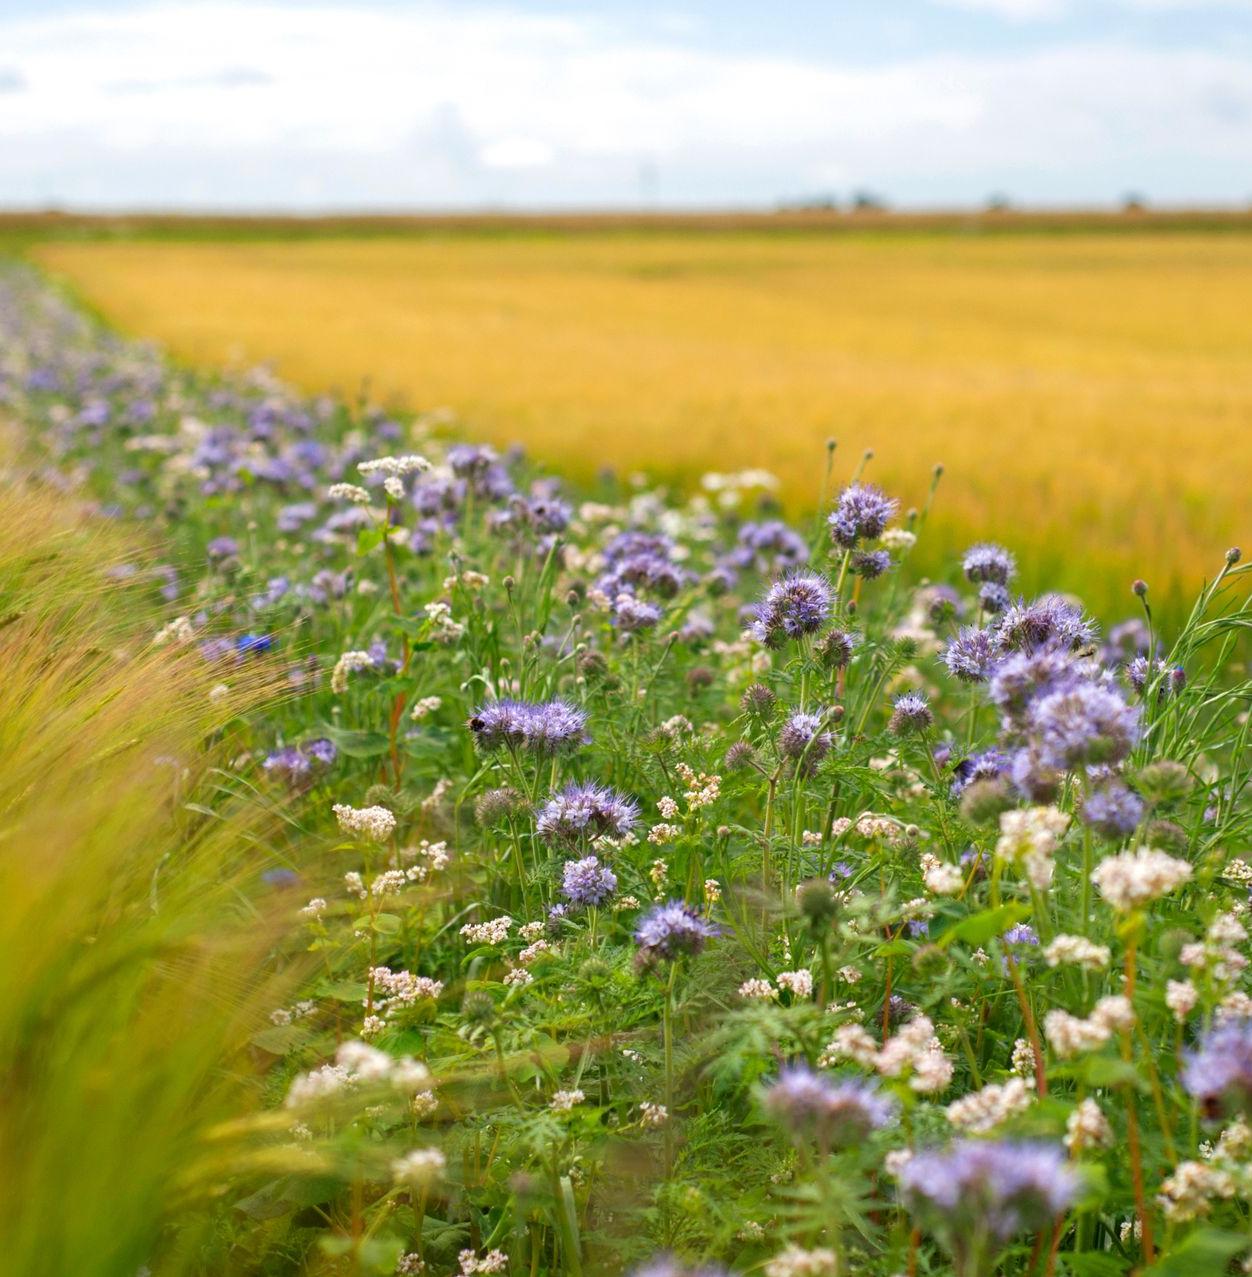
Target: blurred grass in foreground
[(1089, 393), (128, 939)]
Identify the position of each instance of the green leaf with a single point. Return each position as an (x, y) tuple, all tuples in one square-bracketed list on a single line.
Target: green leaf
[(279, 1039), (1108, 1070), (387, 924), (358, 744), (1206, 1252), (1095, 1264), (978, 928)]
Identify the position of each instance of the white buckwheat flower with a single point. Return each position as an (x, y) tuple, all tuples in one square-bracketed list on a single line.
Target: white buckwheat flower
[(375, 824), (1133, 879)]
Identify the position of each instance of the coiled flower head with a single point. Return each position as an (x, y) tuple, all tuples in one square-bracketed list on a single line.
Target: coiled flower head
[(584, 811), (834, 1113), (672, 930), (861, 514), (794, 606)]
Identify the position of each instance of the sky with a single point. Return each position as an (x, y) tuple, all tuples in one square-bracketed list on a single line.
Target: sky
[(539, 104)]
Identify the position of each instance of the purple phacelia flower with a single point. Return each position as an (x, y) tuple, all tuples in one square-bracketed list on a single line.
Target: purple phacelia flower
[(911, 714), (870, 564), (583, 811), (1218, 1073), (546, 728), (861, 514), (797, 605), (803, 739), (631, 615), (971, 655), (987, 765), (587, 882), (672, 930), (835, 1114), (1083, 724), (1022, 933), (1050, 619), (988, 562), (1113, 810), (978, 1194)]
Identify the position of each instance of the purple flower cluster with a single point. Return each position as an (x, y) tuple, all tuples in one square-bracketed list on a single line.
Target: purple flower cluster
[(1113, 810), (794, 606), (804, 739), (672, 930), (971, 655), (583, 811), (985, 765), (545, 728), (985, 563), (981, 1191), (587, 882), (862, 514), (910, 715), (1218, 1072), (1049, 620), (301, 765), (835, 1114)]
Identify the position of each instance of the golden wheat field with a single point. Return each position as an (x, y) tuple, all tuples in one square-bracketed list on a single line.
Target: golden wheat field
[(1090, 395)]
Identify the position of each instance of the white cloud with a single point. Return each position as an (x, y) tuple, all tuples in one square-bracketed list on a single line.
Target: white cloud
[(227, 104), (1013, 10)]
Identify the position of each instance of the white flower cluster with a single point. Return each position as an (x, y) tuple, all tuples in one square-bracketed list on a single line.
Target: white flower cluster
[(394, 467), (653, 1115), (425, 707), (1077, 951), (1189, 1192), (357, 1063), (179, 631), (430, 857), (913, 1050), (348, 492), (1217, 955), (940, 877), (349, 663), (1181, 997), (1029, 837), (375, 824), (1133, 879), (563, 1101), (702, 790), (419, 1169), (984, 1110), (757, 989), (1086, 1127), (794, 1262), (1069, 1035), (494, 1261), (443, 629), (496, 931), (798, 983), (401, 988)]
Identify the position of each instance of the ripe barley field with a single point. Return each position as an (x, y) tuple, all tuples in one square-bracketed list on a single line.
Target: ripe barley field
[(1090, 394)]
